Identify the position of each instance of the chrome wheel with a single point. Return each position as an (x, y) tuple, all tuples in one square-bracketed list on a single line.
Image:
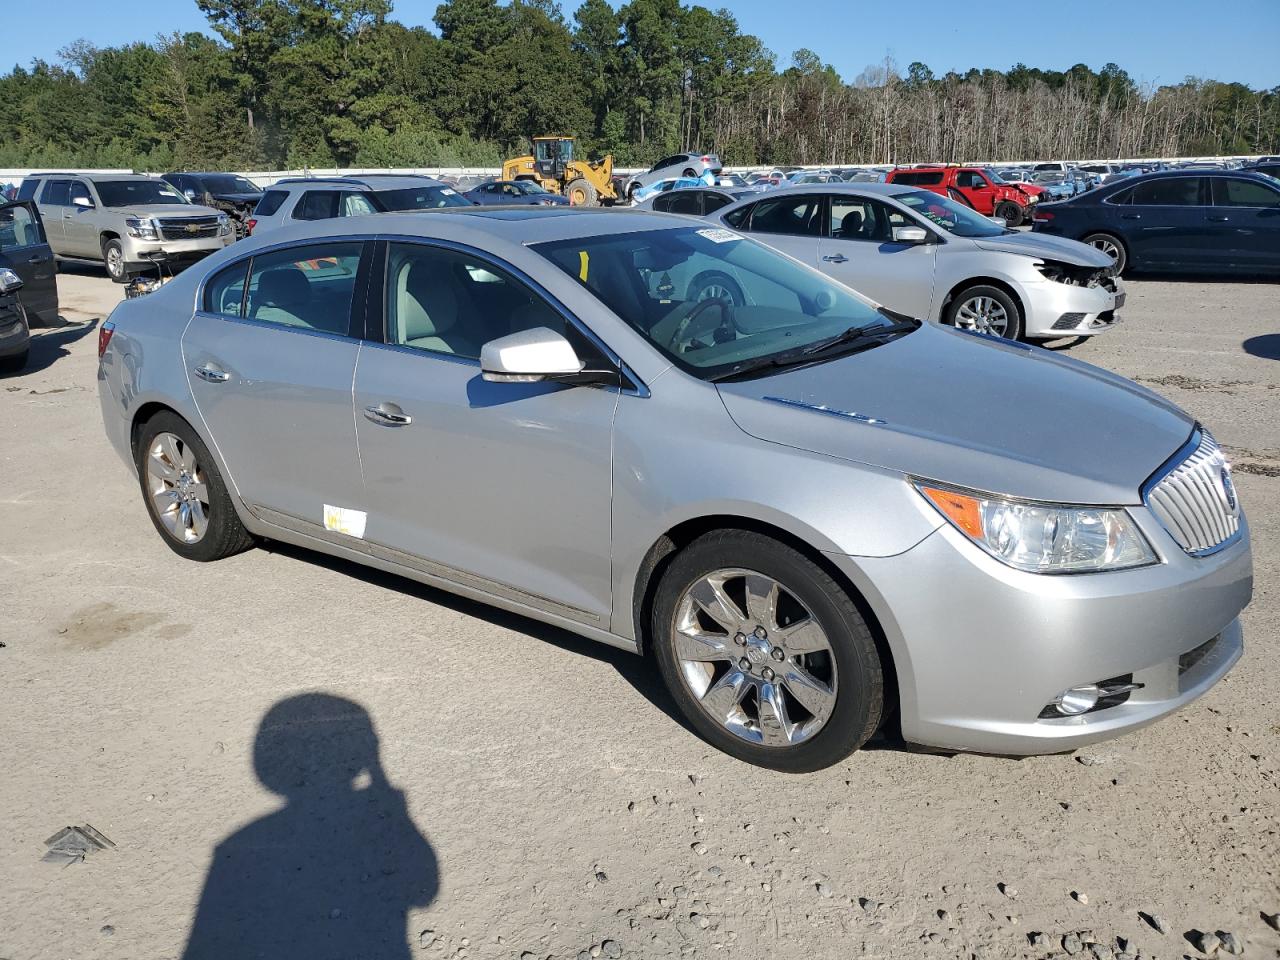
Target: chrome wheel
[(984, 314), (177, 488), (754, 658), (115, 261), (1107, 246)]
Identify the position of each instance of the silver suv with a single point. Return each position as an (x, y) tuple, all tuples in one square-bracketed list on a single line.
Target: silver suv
[(124, 221), (327, 198), (670, 168)]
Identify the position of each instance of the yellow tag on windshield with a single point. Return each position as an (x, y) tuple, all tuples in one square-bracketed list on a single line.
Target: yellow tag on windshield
[(583, 260)]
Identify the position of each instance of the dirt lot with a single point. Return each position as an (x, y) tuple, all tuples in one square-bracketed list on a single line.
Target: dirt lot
[(534, 795)]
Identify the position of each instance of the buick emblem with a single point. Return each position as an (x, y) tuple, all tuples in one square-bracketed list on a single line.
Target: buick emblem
[(1228, 487)]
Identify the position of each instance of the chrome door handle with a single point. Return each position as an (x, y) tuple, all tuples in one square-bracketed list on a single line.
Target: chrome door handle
[(211, 372), (1220, 219), (389, 414), (38, 260), (836, 258)]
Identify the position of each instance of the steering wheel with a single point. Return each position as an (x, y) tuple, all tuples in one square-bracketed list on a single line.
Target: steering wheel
[(689, 328)]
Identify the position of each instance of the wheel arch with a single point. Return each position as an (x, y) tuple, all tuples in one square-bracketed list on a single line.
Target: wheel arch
[(985, 281), (105, 235), (671, 542)]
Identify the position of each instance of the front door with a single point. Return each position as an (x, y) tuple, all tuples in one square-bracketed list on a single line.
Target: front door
[(270, 363), (53, 199), (1245, 217), (1169, 225), (502, 487), (858, 249), (979, 194), (24, 249), (80, 232)]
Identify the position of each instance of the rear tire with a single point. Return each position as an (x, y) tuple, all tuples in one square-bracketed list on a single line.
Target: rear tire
[(581, 193), (1112, 246), (829, 679), (173, 461)]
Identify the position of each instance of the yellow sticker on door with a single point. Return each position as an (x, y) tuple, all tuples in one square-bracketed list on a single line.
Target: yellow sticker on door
[(345, 520)]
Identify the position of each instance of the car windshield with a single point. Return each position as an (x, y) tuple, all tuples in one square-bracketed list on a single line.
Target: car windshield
[(710, 300), (228, 183), (993, 176), (955, 218), (528, 187), (429, 196), (132, 193)]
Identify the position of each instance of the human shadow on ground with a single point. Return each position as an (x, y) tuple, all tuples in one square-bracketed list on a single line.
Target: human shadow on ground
[(1266, 346), (335, 870)]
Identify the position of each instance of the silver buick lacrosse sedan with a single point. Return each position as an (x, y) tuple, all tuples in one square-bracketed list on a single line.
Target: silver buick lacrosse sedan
[(784, 499)]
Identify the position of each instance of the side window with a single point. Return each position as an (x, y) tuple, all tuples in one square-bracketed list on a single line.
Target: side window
[(56, 192), (270, 203), (711, 202), (662, 203), (797, 216), (1169, 192), (446, 302), (19, 227), (309, 287), (857, 218), (317, 205), (738, 217), (224, 293), (28, 189), (356, 205), (1230, 192), (683, 201), (79, 195)]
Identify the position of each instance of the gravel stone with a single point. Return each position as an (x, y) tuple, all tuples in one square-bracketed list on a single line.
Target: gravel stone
[(1154, 921), (699, 848), (1080, 898), (1204, 942), (426, 938), (1071, 944), (824, 890), (1008, 891), (1230, 943), (1272, 920), (611, 949)]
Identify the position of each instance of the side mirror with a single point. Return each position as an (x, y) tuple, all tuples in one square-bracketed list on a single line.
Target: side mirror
[(10, 282), (528, 357), (82, 202), (999, 221), (910, 234)]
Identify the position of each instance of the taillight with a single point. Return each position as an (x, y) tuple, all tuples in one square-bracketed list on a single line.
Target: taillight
[(104, 337), (1042, 216), (249, 225), (706, 159)]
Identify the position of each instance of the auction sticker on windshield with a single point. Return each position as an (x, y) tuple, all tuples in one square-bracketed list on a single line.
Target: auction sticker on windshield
[(719, 236)]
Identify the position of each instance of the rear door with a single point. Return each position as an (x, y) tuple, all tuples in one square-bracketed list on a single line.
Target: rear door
[(1167, 224), (24, 249), (858, 249), (270, 358), (498, 486), (1246, 218), (792, 223)]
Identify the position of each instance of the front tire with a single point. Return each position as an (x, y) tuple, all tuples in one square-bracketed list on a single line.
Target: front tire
[(985, 309), (113, 258), (581, 193), (185, 495), (766, 656), (1112, 246), (1011, 212)]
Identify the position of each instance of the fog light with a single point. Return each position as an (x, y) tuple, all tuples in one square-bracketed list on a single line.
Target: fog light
[(1077, 700)]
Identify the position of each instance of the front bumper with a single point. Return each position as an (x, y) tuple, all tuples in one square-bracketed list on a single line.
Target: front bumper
[(1065, 310), (15, 337), (139, 252), (981, 649)]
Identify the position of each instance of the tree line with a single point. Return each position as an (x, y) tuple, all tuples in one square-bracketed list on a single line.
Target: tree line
[(323, 83)]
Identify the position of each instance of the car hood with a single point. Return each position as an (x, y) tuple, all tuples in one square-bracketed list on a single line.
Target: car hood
[(1046, 246), (237, 197), (972, 411), (168, 210)]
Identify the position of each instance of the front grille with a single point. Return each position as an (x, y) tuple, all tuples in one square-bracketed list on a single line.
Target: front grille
[(188, 228), (1196, 500)]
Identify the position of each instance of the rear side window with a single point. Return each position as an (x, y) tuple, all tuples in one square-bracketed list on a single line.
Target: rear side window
[(738, 217), (1230, 192), (1170, 192), (918, 179), (28, 189), (55, 192), (224, 293), (712, 202), (310, 287), (679, 201), (797, 216), (270, 203), (317, 205)]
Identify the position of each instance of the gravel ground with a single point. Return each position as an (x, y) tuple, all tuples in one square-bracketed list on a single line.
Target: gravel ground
[(534, 796)]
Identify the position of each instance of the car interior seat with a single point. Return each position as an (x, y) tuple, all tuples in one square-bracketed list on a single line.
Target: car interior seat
[(283, 296), (429, 305)]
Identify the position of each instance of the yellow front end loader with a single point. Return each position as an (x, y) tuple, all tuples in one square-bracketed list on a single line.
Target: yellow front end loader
[(554, 168)]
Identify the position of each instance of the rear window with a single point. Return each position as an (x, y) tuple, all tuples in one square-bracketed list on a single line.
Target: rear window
[(317, 205), (28, 189), (270, 203), (918, 179)]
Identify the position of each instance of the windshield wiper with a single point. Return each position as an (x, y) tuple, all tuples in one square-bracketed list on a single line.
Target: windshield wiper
[(862, 337)]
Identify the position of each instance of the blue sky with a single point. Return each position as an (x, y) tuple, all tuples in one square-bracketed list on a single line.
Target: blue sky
[(1157, 41)]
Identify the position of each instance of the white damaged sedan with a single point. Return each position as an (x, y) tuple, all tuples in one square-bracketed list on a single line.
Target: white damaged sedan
[(933, 258)]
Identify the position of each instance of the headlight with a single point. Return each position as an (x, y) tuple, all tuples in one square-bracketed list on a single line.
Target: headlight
[(143, 228), (1044, 537), (224, 223)]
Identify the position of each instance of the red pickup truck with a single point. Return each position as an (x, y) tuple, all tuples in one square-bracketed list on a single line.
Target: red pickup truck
[(977, 187)]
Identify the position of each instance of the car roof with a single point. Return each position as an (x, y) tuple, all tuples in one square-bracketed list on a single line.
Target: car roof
[(96, 176), (376, 181)]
